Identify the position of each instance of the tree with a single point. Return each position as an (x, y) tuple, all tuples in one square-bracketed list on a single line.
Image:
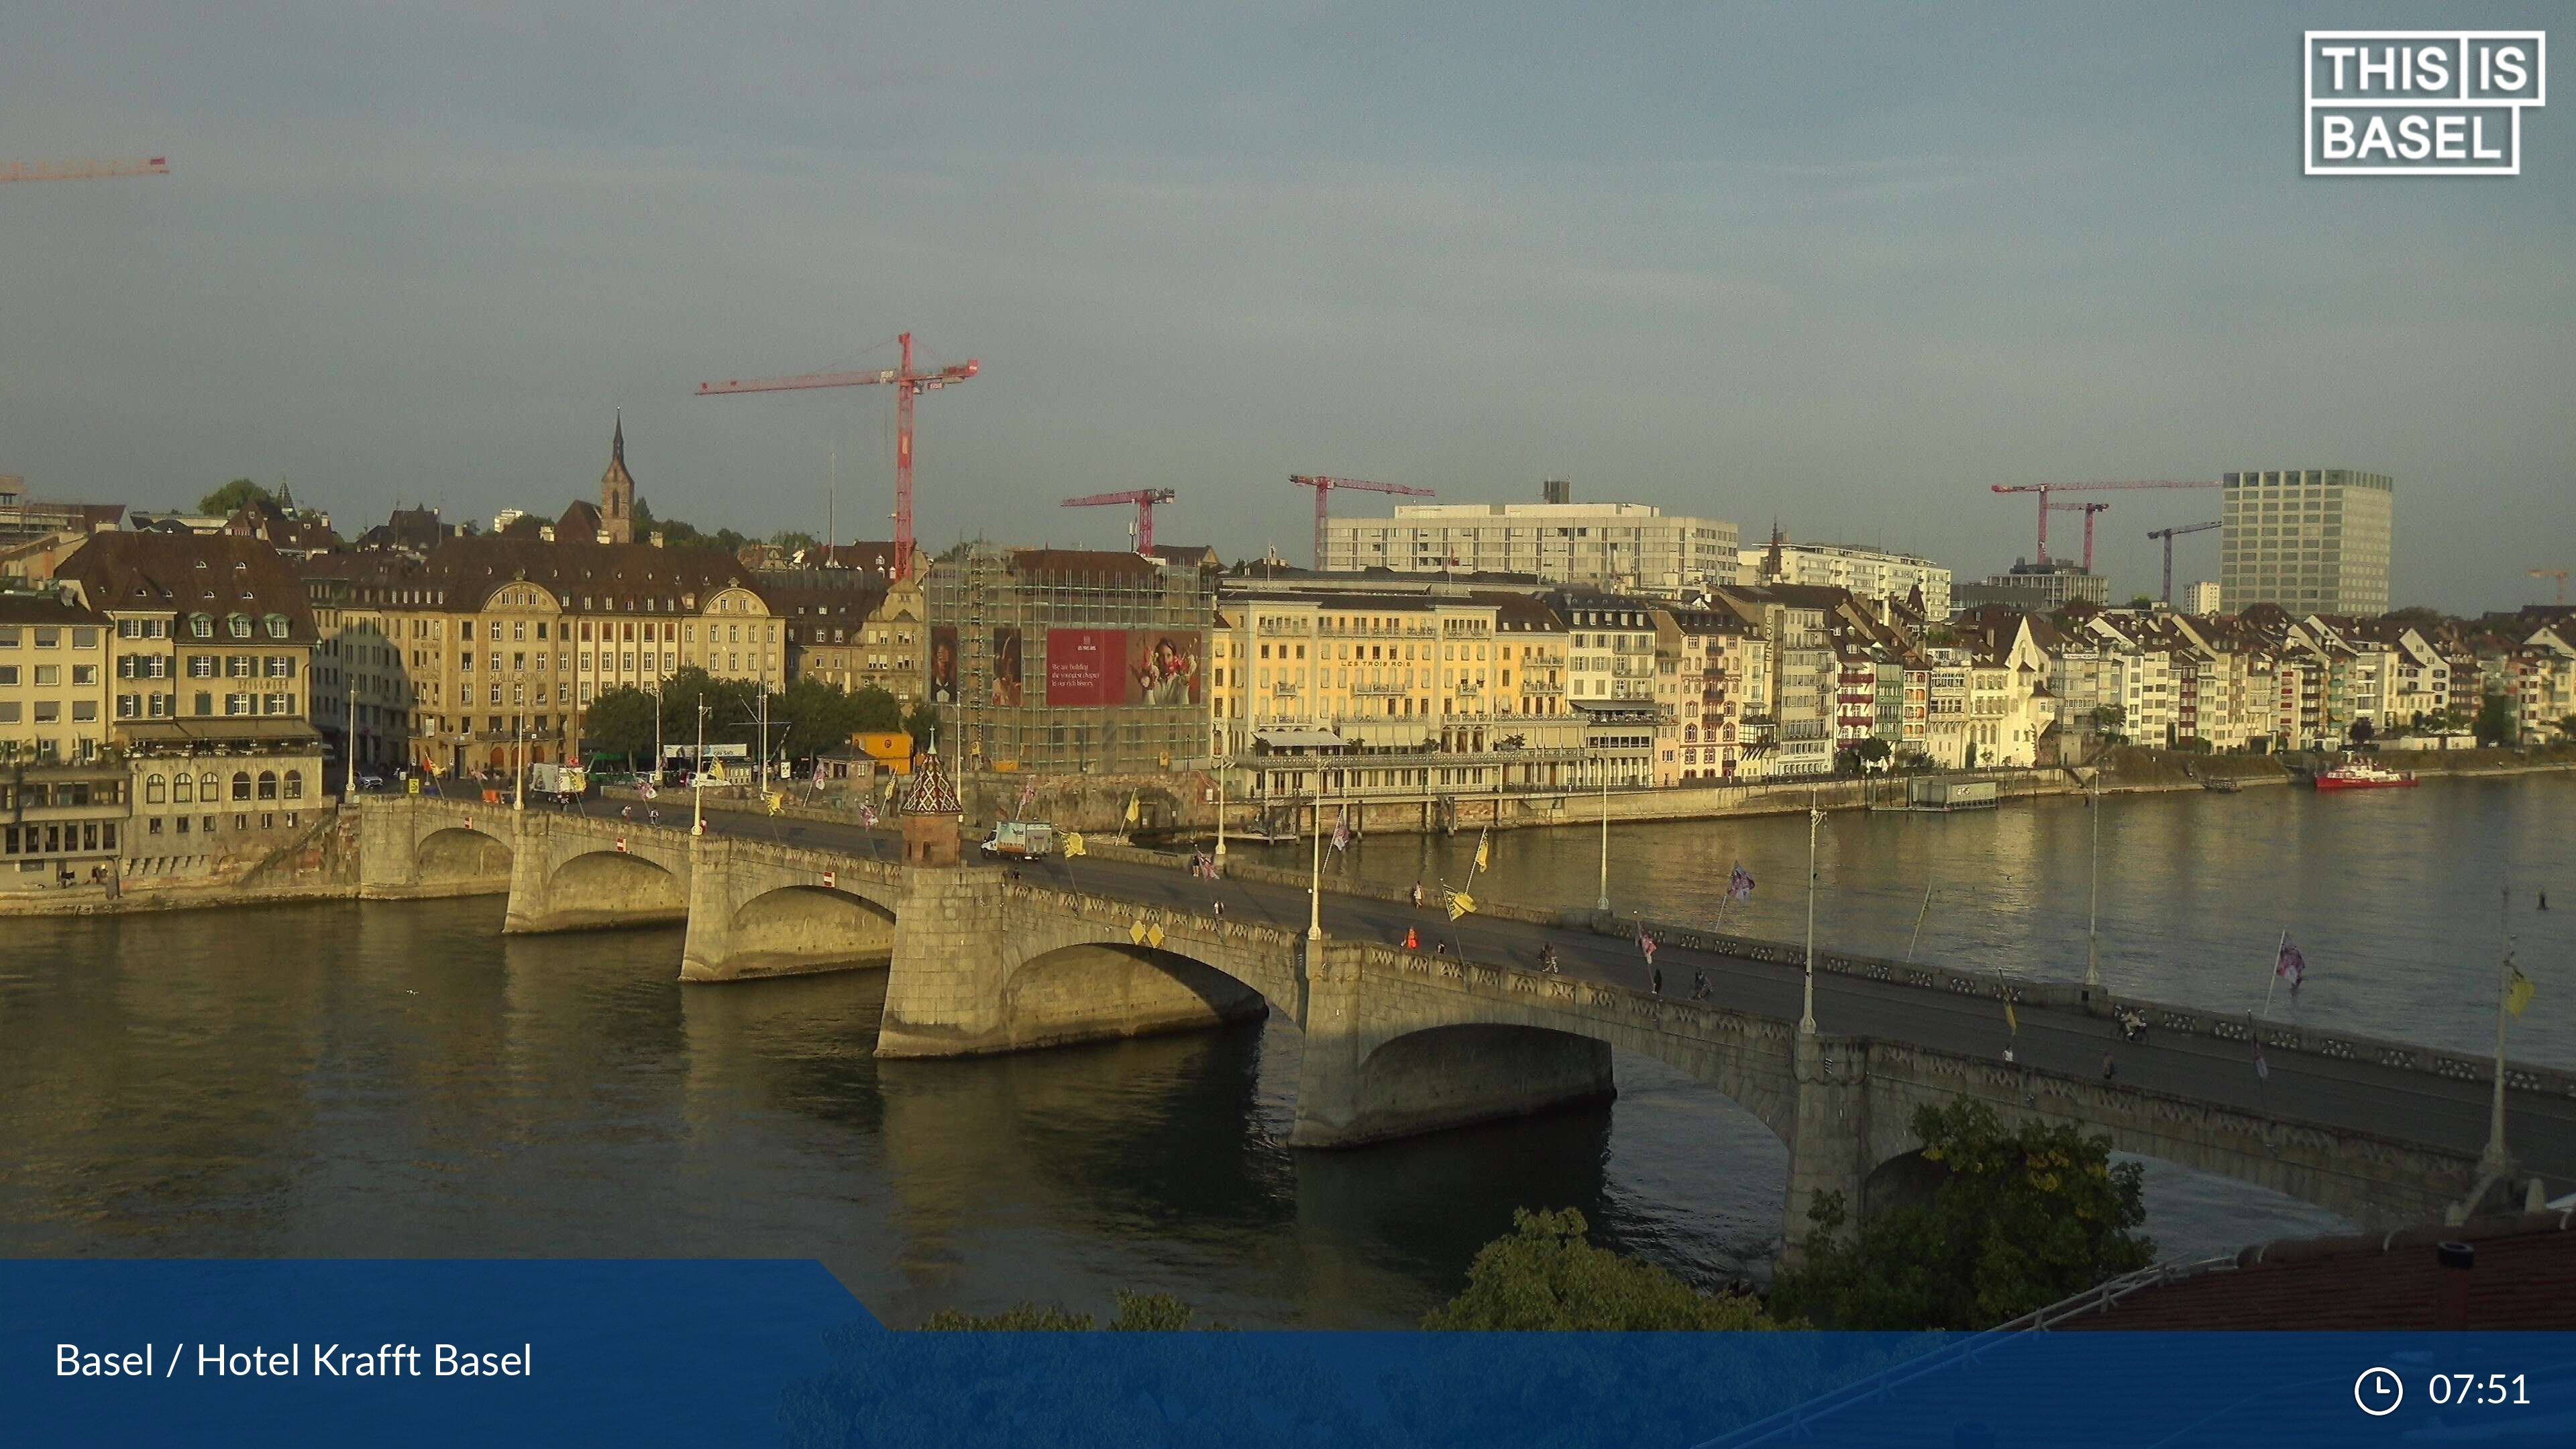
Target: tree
[(619, 722), (1545, 1275), (2363, 730), (1137, 1313), (2494, 724), (2567, 727), (823, 716), (922, 723), (2142, 601), (2021, 1218), (792, 539), (233, 495), (526, 525), (2109, 719)]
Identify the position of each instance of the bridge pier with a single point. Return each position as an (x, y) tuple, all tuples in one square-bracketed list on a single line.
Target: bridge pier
[(1829, 1137)]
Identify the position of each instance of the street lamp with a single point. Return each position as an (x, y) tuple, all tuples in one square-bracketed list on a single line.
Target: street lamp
[(698, 777), (1315, 881), (519, 792), (2093, 914), (1815, 818), (1221, 767), (1601, 903)]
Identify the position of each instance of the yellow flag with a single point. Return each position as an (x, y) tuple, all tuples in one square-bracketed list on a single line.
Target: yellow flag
[(777, 802), (1460, 903), (1072, 844), (1133, 813), (2011, 1021), (2518, 991), (1484, 860), (716, 772)]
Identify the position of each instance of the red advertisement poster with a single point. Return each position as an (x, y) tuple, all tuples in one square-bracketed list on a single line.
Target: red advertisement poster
[(1086, 667)]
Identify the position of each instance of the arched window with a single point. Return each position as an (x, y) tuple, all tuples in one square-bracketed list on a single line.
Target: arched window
[(241, 784), (268, 784), (210, 787), (295, 784), (157, 789), (183, 789)]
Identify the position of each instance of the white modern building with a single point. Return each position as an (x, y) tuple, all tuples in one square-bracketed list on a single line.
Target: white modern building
[(1865, 573), (1631, 548), (2313, 542), (2201, 596)]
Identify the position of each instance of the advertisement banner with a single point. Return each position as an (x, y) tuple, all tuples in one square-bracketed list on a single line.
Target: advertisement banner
[(943, 664), (1086, 667), (1006, 668), (1162, 669)]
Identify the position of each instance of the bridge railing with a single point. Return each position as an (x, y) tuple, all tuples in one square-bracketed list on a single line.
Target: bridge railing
[(2277, 1037)]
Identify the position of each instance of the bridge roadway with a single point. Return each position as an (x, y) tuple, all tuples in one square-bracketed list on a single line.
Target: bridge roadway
[(2356, 1094)]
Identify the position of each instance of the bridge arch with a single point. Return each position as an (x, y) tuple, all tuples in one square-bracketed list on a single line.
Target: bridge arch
[(1450, 1075), (612, 888), (802, 926), (1096, 990), (456, 853)]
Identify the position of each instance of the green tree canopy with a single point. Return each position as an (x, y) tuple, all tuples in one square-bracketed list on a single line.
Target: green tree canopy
[(792, 539), (1546, 1275), (2494, 724), (922, 723), (233, 495), (526, 525), (2023, 1217)]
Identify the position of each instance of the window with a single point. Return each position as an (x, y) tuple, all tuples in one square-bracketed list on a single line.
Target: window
[(201, 626), (268, 784), (294, 787), (277, 626), (156, 789), (237, 625), (241, 788), (210, 788)]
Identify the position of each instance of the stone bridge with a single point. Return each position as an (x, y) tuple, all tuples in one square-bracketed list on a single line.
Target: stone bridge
[(1397, 1042)]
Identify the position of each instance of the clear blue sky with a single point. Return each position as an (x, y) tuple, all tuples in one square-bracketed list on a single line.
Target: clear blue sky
[(1842, 264)]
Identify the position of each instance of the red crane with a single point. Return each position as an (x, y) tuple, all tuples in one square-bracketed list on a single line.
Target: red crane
[(2044, 489), (2169, 535), (1143, 498), (1323, 488), (86, 170), (2088, 510), (907, 385)]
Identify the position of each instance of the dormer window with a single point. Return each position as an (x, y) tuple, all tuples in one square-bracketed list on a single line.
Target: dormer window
[(200, 627), (237, 625), (277, 626)]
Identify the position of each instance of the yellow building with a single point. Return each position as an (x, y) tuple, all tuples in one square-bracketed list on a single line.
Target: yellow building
[(62, 792)]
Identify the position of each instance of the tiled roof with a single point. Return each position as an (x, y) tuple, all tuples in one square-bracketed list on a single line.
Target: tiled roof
[(190, 573)]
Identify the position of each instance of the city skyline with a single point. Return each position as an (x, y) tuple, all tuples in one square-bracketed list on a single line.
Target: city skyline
[(1710, 264)]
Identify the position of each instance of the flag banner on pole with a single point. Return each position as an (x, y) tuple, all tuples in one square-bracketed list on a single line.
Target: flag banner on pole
[(1484, 851), (2262, 1068), (2012, 1023), (1073, 845), (820, 772), (1645, 943), (1135, 810), (1028, 793), (777, 803), (867, 814), (1342, 834), (2291, 966), (645, 790), (1460, 903), (1739, 886), (2518, 990)]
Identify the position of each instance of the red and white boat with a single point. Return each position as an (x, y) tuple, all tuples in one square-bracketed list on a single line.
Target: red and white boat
[(2355, 774)]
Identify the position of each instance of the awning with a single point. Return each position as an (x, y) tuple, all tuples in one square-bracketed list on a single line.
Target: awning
[(234, 731), (1299, 739)]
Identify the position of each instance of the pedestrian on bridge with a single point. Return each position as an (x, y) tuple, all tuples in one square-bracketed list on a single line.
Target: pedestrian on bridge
[(1417, 895), (1655, 980), (1412, 942)]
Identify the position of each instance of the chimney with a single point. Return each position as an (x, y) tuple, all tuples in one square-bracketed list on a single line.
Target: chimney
[(1556, 490), (2452, 1265)]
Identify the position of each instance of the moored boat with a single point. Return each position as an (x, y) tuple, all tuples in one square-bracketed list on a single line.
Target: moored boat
[(2363, 775)]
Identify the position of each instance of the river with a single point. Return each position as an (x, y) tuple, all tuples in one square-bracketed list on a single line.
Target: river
[(398, 1080)]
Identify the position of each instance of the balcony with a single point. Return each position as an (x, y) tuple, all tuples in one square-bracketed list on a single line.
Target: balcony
[(1381, 689)]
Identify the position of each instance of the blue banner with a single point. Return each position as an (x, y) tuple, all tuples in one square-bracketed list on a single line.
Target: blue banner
[(722, 1353)]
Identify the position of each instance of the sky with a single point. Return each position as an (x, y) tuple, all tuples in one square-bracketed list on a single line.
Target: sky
[(1844, 266)]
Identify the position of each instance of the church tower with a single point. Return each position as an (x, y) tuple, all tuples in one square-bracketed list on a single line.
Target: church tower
[(617, 490)]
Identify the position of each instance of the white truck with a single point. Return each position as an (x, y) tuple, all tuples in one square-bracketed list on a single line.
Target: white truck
[(558, 780), (1021, 840)]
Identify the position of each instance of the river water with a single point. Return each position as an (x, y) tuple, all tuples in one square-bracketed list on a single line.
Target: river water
[(398, 1080)]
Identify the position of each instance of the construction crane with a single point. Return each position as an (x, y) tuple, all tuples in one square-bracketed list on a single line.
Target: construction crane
[(2088, 510), (1323, 488), (86, 170), (907, 385), (1143, 498), (2044, 489), (2169, 535), (2559, 574)]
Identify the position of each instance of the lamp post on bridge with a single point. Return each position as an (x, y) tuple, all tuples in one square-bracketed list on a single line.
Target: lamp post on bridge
[(1315, 881), (1222, 766), (2494, 1162), (698, 777), (1601, 903), (2093, 913), (1815, 819)]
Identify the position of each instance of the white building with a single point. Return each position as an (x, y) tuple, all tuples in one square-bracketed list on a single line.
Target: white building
[(2313, 542), (1631, 548), (2200, 597), (1865, 573)]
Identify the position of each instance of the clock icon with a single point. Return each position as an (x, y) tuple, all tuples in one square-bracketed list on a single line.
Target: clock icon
[(2378, 1391)]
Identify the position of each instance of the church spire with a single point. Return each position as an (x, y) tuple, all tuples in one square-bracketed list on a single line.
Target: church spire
[(617, 490), (617, 441)]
